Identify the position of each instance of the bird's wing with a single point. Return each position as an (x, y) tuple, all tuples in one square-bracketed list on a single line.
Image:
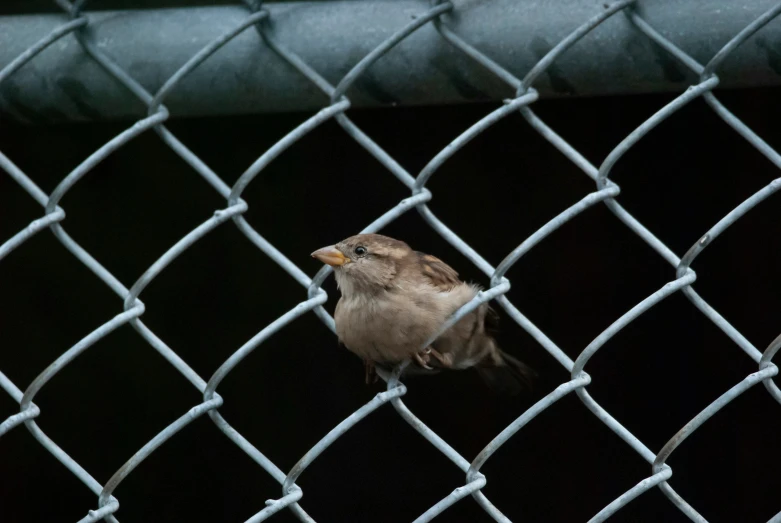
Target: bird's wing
[(439, 273), (445, 278)]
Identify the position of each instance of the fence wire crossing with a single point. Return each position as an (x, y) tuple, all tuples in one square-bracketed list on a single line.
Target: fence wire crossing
[(523, 96)]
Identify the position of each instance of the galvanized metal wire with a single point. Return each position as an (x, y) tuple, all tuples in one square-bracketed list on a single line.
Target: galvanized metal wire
[(521, 96)]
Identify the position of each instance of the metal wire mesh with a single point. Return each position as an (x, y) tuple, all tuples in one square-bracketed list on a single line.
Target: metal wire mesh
[(524, 95)]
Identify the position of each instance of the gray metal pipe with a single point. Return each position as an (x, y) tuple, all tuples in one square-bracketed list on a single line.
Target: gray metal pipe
[(64, 84)]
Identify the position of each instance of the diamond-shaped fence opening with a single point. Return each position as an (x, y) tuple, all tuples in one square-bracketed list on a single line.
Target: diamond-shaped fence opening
[(279, 414)]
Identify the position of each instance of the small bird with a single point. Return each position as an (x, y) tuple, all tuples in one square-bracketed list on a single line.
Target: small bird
[(394, 299)]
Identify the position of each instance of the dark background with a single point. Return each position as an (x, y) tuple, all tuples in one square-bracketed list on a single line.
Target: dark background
[(654, 376)]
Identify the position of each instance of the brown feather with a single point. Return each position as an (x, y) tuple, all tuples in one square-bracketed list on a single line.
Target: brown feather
[(437, 272)]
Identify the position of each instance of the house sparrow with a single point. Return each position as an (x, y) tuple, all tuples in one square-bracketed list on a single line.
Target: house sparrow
[(394, 299)]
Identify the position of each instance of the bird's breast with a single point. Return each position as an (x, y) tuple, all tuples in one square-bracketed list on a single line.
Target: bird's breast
[(388, 327)]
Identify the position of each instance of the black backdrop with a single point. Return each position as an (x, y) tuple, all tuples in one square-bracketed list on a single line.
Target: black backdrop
[(654, 376)]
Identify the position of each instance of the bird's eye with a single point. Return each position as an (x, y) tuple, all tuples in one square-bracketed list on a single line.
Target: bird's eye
[(360, 250)]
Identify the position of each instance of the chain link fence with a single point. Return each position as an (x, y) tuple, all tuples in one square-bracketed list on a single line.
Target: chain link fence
[(76, 24)]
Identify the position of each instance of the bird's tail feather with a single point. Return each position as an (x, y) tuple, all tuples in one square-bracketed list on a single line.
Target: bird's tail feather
[(507, 377)]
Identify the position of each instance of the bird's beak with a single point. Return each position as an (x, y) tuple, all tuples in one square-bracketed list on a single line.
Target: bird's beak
[(331, 255)]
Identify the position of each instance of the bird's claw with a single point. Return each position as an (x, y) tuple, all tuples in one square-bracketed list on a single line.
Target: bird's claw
[(422, 358), (445, 359)]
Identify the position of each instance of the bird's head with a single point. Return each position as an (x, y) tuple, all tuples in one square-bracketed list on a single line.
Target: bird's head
[(364, 263)]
